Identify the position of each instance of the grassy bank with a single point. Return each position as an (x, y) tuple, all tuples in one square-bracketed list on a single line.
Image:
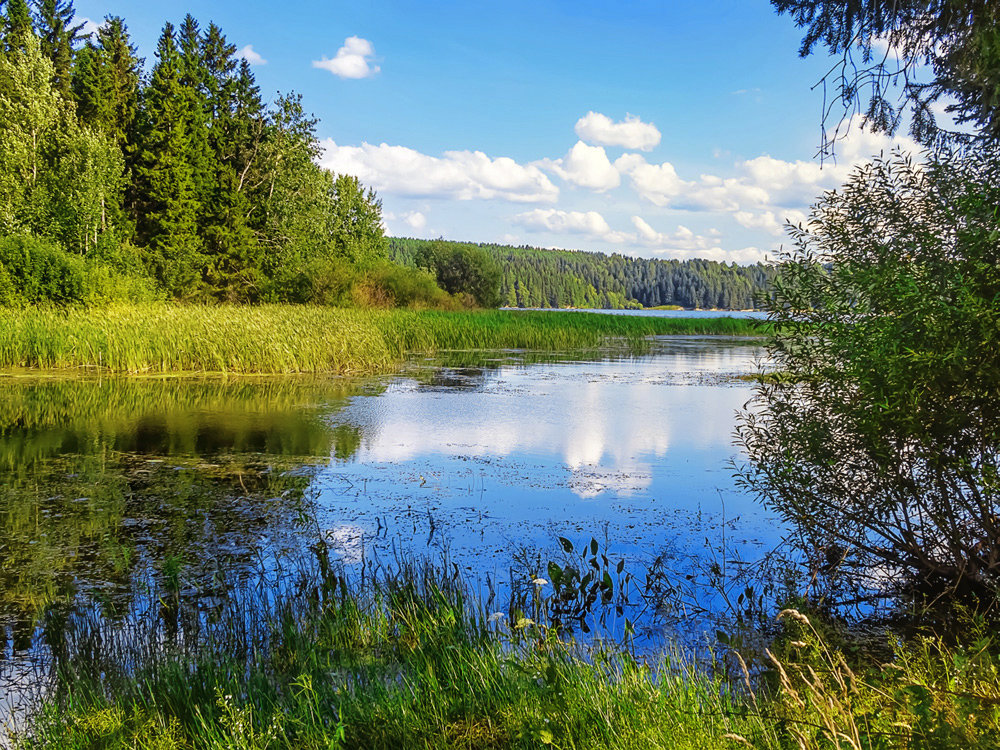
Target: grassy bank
[(289, 339), (408, 662)]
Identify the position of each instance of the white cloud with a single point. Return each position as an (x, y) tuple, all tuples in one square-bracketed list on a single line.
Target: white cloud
[(683, 243), (630, 133), (589, 223), (89, 26), (459, 175), (415, 220), (586, 166), (251, 55), (769, 221), (761, 184), (353, 60), (658, 183)]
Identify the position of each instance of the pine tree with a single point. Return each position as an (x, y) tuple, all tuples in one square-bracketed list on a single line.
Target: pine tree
[(164, 180), (59, 37)]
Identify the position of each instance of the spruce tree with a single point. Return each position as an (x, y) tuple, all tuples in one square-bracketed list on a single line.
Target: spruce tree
[(164, 179), (237, 129), (15, 25), (106, 83), (59, 37), (192, 78)]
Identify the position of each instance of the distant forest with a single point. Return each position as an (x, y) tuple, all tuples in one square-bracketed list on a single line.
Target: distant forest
[(535, 277)]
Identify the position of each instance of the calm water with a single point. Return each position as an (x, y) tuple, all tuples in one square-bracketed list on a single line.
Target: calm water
[(484, 462)]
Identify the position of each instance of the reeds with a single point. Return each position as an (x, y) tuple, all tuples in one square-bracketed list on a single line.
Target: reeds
[(405, 661), (157, 338)]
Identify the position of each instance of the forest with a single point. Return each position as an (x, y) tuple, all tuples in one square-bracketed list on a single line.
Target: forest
[(534, 277), (118, 184), (181, 182)]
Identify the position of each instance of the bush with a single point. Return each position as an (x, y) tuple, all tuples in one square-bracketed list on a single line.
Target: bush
[(400, 286), (882, 446), (37, 271), (462, 269)]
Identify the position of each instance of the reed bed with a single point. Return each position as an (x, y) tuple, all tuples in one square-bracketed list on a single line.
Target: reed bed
[(161, 338), (409, 660)]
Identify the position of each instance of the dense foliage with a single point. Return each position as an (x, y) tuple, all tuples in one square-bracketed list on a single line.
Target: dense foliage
[(180, 183), (532, 277), (882, 446)]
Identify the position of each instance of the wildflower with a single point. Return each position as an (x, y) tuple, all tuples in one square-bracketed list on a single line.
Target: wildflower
[(539, 581), (496, 617)]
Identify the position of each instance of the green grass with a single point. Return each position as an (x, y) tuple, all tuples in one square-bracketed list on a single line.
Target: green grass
[(409, 663), (158, 338)]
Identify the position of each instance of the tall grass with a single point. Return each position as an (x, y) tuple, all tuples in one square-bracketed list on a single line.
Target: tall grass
[(407, 661), (294, 339)]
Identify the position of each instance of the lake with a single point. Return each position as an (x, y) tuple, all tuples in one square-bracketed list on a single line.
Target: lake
[(489, 465)]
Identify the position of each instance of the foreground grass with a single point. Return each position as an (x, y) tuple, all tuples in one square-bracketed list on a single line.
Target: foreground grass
[(408, 663), (291, 339)]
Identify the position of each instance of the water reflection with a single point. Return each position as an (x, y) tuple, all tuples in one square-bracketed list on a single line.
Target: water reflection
[(485, 463), (114, 492)]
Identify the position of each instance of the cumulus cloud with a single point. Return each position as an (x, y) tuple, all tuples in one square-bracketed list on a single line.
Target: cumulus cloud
[(586, 166), (632, 132), (415, 220), (459, 175), (353, 60), (589, 223), (761, 184), (684, 243), (251, 55)]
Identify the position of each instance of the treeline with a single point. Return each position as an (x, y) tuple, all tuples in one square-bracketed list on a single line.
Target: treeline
[(179, 183), (533, 277)]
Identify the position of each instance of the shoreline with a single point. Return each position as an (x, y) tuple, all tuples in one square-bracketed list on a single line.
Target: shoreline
[(290, 339)]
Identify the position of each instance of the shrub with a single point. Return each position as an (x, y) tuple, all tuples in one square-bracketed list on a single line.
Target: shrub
[(882, 446)]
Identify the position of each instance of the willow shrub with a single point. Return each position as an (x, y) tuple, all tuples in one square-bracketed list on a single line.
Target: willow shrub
[(881, 447)]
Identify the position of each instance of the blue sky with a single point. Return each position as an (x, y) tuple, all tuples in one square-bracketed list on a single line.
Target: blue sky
[(661, 129)]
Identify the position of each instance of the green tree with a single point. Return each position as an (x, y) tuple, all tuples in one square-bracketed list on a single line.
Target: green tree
[(57, 179), (164, 181), (237, 124), (106, 83), (462, 269), (959, 39), (59, 38), (880, 442), (15, 25), (355, 223)]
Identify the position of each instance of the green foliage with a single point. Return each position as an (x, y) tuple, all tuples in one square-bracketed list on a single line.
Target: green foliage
[(929, 695), (356, 223), (390, 285), (165, 178), (36, 271), (106, 84), (881, 445), (462, 269), (59, 36)]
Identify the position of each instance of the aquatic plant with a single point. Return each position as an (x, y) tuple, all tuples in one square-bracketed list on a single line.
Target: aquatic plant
[(299, 339)]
